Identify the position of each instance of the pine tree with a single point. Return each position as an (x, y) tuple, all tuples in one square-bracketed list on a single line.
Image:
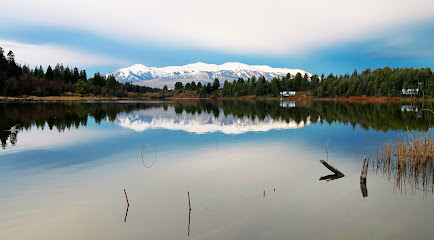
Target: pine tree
[(215, 85), (49, 73)]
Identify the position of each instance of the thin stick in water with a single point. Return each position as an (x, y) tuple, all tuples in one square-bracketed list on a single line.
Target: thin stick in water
[(126, 197), (189, 204)]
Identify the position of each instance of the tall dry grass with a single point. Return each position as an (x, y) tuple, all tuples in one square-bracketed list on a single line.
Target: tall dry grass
[(409, 161)]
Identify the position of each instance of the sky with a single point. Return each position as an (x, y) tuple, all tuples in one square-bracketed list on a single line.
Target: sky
[(334, 36)]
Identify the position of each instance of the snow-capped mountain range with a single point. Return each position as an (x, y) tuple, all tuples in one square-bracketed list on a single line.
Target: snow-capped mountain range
[(198, 72)]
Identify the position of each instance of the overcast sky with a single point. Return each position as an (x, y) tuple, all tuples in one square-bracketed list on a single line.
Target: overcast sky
[(314, 35)]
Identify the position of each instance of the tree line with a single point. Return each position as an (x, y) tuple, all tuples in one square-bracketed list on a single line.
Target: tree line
[(380, 82), (17, 80), (251, 86)]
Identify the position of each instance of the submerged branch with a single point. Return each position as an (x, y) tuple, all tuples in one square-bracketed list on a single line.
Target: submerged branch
[(331, 168)]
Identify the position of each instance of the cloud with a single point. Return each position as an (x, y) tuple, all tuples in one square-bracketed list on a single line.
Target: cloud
[(49, 54), (406, 43), (243, 26)]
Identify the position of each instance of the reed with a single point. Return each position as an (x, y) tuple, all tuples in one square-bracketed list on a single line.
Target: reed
[(410, 161)]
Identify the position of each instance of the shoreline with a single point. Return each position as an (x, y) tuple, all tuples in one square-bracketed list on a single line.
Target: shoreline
[(353, 99)]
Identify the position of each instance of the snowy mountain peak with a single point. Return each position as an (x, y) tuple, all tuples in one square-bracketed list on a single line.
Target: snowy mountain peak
[(137, 66), (198, 72)]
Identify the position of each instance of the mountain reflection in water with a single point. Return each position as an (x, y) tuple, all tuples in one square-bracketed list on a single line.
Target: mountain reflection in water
[(229, 117)]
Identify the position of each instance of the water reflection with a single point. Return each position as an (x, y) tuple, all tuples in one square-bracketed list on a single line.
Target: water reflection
[(128, 205), (189, 220), (237, 185), (287, 104), (202, 123), (330, 177), (150, 150), (126, 213), (229, 117), (364, 189)]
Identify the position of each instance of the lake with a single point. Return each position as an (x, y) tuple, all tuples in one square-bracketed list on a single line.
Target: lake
[(251, 169)]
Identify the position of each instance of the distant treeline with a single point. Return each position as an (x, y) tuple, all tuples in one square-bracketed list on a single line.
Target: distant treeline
[(380, 82), (253, 86), (17, 80)]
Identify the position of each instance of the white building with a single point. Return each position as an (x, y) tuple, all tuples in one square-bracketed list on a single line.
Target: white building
[(410, 91), (287, 93)]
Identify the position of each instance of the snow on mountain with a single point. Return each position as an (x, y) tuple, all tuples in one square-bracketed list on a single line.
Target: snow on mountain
[(198, 72)]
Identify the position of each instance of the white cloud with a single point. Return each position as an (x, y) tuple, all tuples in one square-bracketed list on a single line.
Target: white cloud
[(246, 26), (48, 54)]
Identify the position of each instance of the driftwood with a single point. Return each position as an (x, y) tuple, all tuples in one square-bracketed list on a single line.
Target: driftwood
[(363, 176), (364, 171), (331, 168), (337, 174)]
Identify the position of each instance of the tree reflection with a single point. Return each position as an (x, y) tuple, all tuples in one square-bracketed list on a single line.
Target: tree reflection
[(67, 115)]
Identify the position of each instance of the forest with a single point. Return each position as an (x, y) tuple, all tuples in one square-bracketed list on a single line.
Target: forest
[(17, 80), (380, 82)]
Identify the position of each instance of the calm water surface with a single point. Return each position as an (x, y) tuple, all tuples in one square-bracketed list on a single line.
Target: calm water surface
[(252, 170)]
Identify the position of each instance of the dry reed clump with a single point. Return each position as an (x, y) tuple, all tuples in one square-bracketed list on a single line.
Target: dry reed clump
[(408, 161)]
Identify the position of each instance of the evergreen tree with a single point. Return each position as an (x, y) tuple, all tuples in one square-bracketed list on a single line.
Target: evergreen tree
[(215, 85), (193, 86), (261, 87), (297, 82), (98, 80), (58, 71), (305, 82), (111, 82), (76, 74), (179, 86), (3, 66), (274, 87), (187, 86), (49, 73), (208, 88)]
